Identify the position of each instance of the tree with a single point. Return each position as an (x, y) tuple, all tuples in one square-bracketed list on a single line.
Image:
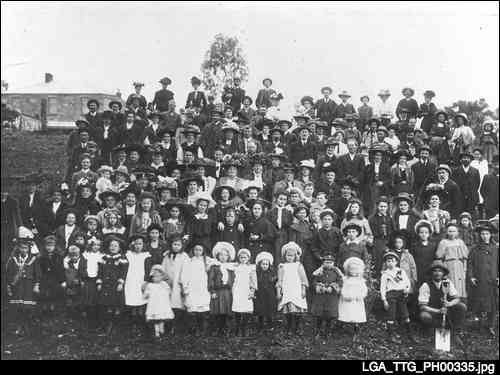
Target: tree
[(224, 60)]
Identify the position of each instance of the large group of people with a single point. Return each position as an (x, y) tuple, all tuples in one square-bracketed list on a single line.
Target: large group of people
[(226, 210)]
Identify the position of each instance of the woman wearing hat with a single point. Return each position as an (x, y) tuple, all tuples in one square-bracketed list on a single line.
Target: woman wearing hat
[(264, 94), (259, 232), (137, 95), (344, 107), (163, 96), (463, 136), (308, 103), (85, 202), (407, 104), (401, 174), (384, 109), (427, 111), (432, 197), (196, 98), (190, 132), (453, 200), (482, 276), (439, 131), (376, 180), (145, 215)]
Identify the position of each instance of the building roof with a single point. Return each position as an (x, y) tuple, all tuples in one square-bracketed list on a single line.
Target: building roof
[(58, 87)]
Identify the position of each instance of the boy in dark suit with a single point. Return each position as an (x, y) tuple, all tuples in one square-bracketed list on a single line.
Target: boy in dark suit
[(325, 107)]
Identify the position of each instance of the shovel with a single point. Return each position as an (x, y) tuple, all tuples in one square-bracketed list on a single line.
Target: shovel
[(443, 337)]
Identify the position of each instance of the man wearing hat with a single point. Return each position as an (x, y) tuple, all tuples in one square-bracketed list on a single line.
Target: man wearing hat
[(233, 96), (304, 148), (407, 104), (344, 107), (212, 134), (325, 107), (264, 95), (137, 95), (31, 203), (453, 202), (152, 131), (423, 169), (352, 163), (288, 181), (93, 117), (247, 138), (116, 109), (131, 131), (427, 111), (163, 96), (468, 180), (489, 189), (376, 178), (196, 98), (438, 296)]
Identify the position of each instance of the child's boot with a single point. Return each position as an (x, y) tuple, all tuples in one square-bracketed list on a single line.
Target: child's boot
[(409, 332)]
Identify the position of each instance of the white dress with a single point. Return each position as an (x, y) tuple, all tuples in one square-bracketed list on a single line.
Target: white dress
[(351, 302), (158, 301), (244, 279), (135, 278), (173, 268), (194, 281), (291, 286)]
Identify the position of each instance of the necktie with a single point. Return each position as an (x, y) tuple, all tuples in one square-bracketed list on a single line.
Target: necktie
[(279, 219)]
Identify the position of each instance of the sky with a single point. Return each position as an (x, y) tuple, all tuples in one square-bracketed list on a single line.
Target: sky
[(449, 47)]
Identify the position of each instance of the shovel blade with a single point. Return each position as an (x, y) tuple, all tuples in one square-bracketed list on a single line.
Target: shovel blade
[(443, 339)]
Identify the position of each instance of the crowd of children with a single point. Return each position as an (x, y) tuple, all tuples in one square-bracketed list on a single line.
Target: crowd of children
[(194, 224)]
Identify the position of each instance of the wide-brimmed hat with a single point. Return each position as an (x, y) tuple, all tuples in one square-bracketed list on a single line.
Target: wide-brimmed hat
[(331, 141), (433, 189), (327, 212), (326, 88), (484, 225), (204, 196), (344, 93), (195, 81), (429, 94), (91, 217), (463, 116), (307, 98), (264, 255), (263, 202), (188, 177), (136, 236), (135, 147), (147, 195), (444, 167), (401, 152), (424, 147), (104, 168), (439, 264), (113, 102), (137, 84), (190, 129), (244, 251), (354, 261), (109, 193), (82, 125), (328, 258), (248, 98), (157, 268), (382, 128), (288, 167), (95, 101), (390, 254), (441, 112), (403, 196), (302, 116), (352, 226), (230, 126), (267, 79), (424, 223), (223, 246), (408, 89), (216, 194), (385, 92), (466, 154), (364, 96), (374, 119), (183, 206), (373, 150), (165, 81), (309, 163), (291, 246)]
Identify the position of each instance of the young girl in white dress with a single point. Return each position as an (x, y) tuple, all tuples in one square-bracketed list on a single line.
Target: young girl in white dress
[(174, 263), (291, 287), (194, 280), (157, 295), (353, 293), (136, 278), (245, 284)]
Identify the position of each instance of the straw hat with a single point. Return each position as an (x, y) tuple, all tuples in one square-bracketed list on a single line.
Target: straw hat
[(264, 255), (223, 246)]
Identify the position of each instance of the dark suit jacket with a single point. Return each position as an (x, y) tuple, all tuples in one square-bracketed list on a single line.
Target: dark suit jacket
[(298, 151), (161, 99), (241, 146), (263, 98), (469, 186), (410, 225), (94, 122), (142, 100), (446, 156), (454, 201), (421, 173), (489, 191), (61, 239), (347, 167), (234, 97), (196, 99), (31, 214), (344, 109), (52, 220), (286, 219), (410, 104), (326, 110), (132, 135)]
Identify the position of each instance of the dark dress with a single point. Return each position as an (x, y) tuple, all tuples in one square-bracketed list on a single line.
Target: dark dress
[(483, 266), (382, 229), (423, 256), (325, 305), (75, 277), (265, 303), (51, 277), (232, 235), (222, 305), (21, 277), (266, 232), (112, 269), (200, 231)]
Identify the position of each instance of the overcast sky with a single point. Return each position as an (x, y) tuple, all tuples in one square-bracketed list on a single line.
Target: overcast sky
[(451, 48)]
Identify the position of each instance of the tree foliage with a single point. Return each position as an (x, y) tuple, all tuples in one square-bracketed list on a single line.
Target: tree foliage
[(224, 60)]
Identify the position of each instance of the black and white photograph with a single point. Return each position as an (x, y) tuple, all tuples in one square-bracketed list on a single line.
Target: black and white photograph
[(250, 180)]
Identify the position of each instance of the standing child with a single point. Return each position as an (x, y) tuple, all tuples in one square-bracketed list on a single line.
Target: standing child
[(453, 252), (136, 278), (352, 245), (394, 290), (245, 283), (156, 246), (174, 263), (352, 294), (91, 228), (488, 141), (23, 277), (424, 249), (482, 273), (220, 284), (194, 280), (51, 275), (327, 283), (111, 275), (146, 214), (465, 229), (381, 226), (232, 231), (75, 269), (157, 295), (265, 296), (292, 287), (93, 256)]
